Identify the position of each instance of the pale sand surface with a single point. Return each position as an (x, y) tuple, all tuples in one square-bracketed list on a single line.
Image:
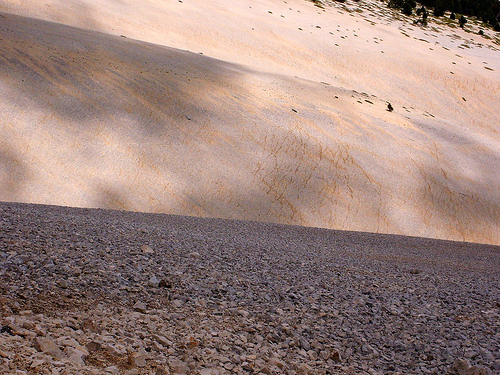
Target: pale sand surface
[(269, 123)]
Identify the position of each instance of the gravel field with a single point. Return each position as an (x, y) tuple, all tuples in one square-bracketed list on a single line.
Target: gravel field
[(86, 291)]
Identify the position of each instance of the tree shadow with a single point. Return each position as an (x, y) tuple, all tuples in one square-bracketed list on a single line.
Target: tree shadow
[(460, 208), (74, 12), (155, 103), (14, 173)]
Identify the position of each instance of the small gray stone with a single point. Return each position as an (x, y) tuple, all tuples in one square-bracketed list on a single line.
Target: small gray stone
[(460, 366), (163, 340), (195, 255), (178, 366), (112, 370), (138, 359), (76, 356), (470, 354), (63, 284), (93, 346), (153, 282), (140, 307), (178, 303), (147, 250), (116, 349)]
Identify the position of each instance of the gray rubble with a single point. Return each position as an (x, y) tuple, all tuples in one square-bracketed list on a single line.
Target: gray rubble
[(86, 291)]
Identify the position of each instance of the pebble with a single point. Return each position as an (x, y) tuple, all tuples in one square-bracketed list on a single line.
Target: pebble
[(140, 307), (153, 282), (248, 298), (147, 250), (47, 346)]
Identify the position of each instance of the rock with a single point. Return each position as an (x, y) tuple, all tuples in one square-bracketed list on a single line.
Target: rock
[(140, 307), (245, 313), (138, 359), (163, 340), (89, 325), (47, 346), (478, 370), (153, 282), (63, 284), (146, 249), (14, 329), (304, 369), (26, 324), (178, 367), (470, 354), (275, 361), (177, 303), (358, 301), (162, 371), (460, 367), (67, 341), (305, 344), (6, 329), (192, 343), (4, 354), (165, 283), (112, 370), (37, 362), (76, 355), (335, 356), (93, 346), (496, 365), (116, 349)]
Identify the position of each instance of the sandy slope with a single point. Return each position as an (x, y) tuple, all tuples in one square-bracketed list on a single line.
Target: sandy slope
[(281, 118)]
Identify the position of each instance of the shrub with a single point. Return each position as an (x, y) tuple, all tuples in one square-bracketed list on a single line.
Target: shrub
[(452, 16)]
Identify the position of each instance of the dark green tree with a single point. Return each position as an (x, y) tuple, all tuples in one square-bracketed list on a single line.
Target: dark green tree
[(438, 11), (486, 10), (462, 21), (407, 8), (452, 16), (425, 14), (422, 12)]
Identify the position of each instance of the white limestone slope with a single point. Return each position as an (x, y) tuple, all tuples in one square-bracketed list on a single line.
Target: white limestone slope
[(281, 118)]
